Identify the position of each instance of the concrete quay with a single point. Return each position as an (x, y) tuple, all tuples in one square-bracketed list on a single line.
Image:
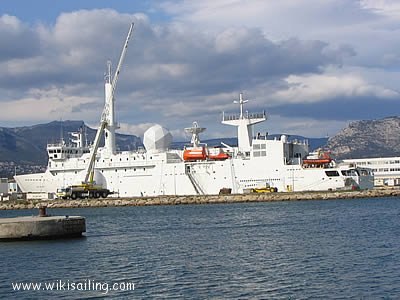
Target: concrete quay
[(200, 199), (40, 227)]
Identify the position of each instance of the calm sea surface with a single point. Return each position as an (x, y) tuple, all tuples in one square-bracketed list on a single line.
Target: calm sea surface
[(287, 250)]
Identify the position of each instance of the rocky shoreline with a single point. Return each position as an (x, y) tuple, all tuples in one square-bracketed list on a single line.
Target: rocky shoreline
[(200, 199)]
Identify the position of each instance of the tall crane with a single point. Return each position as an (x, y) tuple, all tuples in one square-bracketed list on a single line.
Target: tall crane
[(108, 107), (88, 188)]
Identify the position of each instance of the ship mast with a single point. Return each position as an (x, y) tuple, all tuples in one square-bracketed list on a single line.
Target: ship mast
[(244, 124), (241, 102)]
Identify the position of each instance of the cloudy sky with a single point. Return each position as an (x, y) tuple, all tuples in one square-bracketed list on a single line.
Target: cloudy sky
[(312, 65)]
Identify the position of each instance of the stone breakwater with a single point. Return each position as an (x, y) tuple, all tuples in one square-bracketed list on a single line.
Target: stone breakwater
[(200, 199)]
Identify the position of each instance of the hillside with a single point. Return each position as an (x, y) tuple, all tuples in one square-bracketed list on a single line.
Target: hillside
[(25, 147), (367, 138)]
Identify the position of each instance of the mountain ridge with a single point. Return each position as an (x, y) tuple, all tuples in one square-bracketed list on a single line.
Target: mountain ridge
[(367, 139), (25, 147)]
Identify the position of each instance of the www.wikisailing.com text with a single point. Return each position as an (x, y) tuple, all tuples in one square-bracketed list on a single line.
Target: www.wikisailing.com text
[(84, 285)]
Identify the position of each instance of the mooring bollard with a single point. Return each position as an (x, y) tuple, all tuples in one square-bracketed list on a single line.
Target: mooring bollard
[(42, 211)]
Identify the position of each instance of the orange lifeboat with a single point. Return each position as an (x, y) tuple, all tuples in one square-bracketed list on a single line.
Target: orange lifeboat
[(322, 159), (198, 153), (317, 161), (219, 156)]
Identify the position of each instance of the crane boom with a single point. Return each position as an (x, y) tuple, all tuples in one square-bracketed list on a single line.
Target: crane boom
[(116, 75), (105, 113)]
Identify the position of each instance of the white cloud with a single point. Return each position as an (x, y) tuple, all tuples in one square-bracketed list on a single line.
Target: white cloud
[(279, 19), (359, 24), (46, 105), (321, 87), (135, 129), (307, 127), (280, 53), (385, 7)]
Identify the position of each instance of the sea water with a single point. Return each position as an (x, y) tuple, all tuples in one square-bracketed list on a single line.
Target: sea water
[(285, 250)]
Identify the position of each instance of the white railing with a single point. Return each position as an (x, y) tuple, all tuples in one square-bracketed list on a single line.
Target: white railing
[(247, 115)]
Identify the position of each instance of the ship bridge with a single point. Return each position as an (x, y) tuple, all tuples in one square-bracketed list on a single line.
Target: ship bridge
[(61, 150), (244, 122)]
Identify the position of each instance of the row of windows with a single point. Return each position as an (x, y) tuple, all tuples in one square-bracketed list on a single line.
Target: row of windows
[(116, 170), (67, 151), (259, 153), (260, 180), (378, 162), (102, 171), (387, 170), (334, 173), (127, 159), (259, 146)]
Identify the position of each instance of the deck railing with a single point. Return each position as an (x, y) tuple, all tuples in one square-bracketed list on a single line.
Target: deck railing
[(247, 115)]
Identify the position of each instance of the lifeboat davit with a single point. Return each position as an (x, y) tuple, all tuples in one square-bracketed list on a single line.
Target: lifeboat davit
[(198, 153)]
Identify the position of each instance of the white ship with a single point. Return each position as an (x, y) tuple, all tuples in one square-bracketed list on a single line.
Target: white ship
[(256, 162)]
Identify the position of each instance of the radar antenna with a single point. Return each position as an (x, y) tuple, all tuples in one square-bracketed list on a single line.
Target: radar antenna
[(195, 130)]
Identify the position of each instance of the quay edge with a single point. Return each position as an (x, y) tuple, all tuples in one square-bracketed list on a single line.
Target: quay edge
[(199, 199), (41, 227)]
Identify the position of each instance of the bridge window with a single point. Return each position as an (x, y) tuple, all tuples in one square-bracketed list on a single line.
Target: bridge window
[(351, 172), (332, 173)]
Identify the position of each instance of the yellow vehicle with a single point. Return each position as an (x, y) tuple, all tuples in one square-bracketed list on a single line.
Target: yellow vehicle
[(82, 191), (266, 189)]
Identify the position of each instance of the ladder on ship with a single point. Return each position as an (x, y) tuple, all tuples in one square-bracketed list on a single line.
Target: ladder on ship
[(194, 182), (233, 175)]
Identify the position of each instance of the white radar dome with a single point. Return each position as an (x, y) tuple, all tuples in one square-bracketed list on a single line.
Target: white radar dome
[(157, 138)]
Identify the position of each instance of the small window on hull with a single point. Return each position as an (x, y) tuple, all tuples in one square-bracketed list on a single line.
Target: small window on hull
[(332, 173)]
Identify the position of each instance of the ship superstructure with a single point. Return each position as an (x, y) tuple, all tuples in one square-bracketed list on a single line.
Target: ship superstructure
[(256, 162)]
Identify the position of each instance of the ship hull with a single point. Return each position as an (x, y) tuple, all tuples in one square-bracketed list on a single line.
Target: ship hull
[(130, 174)]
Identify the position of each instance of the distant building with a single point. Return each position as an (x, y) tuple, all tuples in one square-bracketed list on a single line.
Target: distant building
[(386, 169), (12, 187), (3, 186)]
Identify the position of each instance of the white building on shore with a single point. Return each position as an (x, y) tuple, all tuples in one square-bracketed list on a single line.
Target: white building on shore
[(386, 169)]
